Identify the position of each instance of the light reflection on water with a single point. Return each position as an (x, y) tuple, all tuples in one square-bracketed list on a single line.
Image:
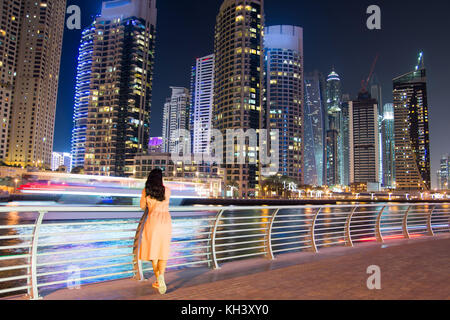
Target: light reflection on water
[(116, 240)]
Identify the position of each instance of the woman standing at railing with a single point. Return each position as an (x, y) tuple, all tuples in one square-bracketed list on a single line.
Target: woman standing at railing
[(157, 231)]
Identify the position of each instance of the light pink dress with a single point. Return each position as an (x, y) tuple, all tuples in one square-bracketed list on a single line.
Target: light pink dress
[(157, 231)]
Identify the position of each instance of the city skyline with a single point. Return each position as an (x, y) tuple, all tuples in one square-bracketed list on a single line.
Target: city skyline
[(317, 25)]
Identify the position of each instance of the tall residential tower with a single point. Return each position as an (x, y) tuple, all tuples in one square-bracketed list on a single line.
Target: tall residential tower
[(175, 117), (238, 83), (35, 88), (202, 99), (314, 131), (412, 136), (82, 96), (285, 95), (118, 117)]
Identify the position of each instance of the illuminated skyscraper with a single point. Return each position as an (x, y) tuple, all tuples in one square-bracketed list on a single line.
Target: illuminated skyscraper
[(9, 44), (285, 95), (175, 117), (238, 82), (334, 137), (443, 174), (314, 136), (388, 146), (202, 99), (35, 89), (363, 138), (412, 138), (82, 95), (121, 86)]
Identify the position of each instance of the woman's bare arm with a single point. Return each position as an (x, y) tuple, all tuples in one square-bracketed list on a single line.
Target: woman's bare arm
[(143, 203)]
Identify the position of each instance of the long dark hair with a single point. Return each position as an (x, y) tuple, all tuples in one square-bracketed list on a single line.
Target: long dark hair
[(154, 187)]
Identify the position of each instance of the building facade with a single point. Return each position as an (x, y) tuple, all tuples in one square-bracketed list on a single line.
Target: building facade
[(314, 131), (388, 146), (412, 139), (443, 174), (202, 99), (61, 159), (10, 15), (121, 86), (35, 88), (285, 95), (238, 83), (334, 143), (363, 139), (82, 96), (175, 117)]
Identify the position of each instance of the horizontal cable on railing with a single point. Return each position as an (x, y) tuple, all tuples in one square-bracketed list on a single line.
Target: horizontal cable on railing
[(84, 269), (18, 246), (243, 224), (62, 262), (290, 249), (288, 243), (16, 236), (14, 278), (243, 256), (290, 237), (288, 232), (63, 252), (50, 244), (14, 289), (190, 256), (238, 243), (48, 284), (23, 266), (241, 249), (189, 241), (243, 230), (10, 226), (84, 232), (17, 256)]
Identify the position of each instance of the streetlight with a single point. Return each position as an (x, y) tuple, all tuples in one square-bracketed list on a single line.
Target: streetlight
[(15, 184)]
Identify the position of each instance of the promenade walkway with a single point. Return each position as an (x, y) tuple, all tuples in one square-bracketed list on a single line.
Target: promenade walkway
[(410, 269)]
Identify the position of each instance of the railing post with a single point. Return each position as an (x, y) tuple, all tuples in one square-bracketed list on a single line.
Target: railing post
[(429, 226), (378, 234), (348, 236), (137, 264), (34, 292), (213, 240), (269, 236), (312, 232), (405, 223)]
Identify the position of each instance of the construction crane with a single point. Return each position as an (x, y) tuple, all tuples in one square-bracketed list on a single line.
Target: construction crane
[(365, 83)]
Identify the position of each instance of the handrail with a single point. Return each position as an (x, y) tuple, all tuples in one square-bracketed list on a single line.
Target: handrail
[(244, 232)]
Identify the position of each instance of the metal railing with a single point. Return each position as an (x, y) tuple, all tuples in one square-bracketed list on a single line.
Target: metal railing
[(48, 253)]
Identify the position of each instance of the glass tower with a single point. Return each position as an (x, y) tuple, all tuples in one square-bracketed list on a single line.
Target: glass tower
[(412, 138), (82, 95), (202, 96), (121, 87), (315, 117), (285, 86), (175, 117), (334, 137), (238, 83), (38, 57), (388, 146)]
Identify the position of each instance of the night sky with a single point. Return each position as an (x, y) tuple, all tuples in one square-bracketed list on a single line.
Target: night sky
[(335, 34)]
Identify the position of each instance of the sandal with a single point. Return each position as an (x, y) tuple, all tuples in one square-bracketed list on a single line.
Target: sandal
[(161, 285), (155, 285)]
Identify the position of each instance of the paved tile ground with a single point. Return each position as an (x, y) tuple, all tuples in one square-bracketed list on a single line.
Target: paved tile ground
[(410, 269)]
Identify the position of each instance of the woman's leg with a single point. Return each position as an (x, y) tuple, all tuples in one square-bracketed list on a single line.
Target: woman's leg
[(162, 266), (155, 264)]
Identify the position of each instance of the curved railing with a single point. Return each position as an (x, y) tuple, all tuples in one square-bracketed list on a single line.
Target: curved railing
[(54, 247)]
